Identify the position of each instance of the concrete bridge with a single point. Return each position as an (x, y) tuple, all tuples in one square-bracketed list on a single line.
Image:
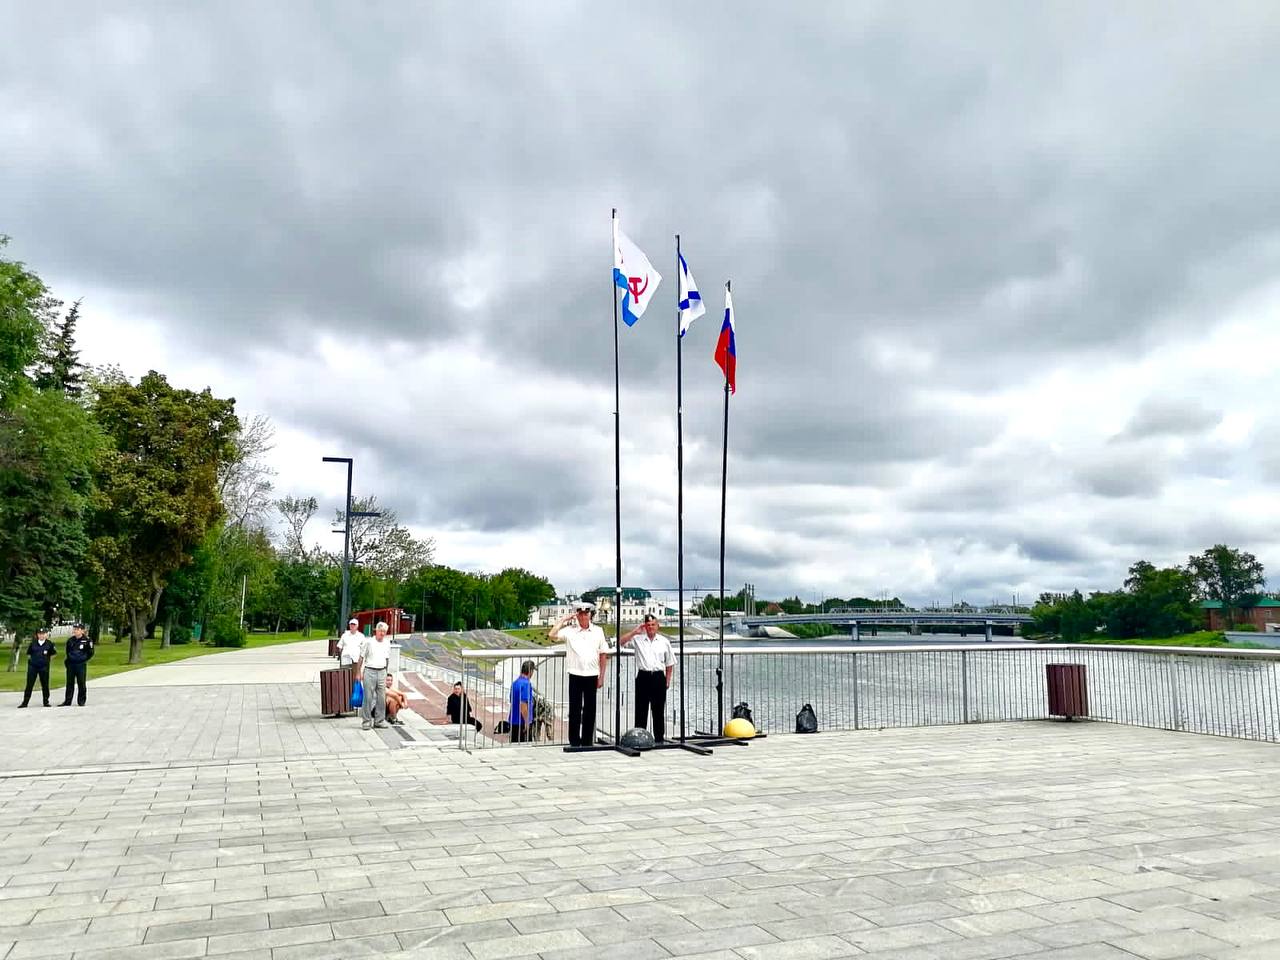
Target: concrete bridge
[(853, 620)]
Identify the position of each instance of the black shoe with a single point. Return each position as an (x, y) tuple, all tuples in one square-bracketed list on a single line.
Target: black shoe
[(64, 704), (48, 704), (21, 705)]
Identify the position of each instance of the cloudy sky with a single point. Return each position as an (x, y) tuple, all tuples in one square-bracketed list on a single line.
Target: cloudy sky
[(1007, 276)]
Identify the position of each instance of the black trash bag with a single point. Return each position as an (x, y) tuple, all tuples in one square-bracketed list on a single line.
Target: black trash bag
[(806, 720), (742, 711), (501, 727)]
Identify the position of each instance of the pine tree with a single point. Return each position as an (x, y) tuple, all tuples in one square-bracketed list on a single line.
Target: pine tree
[(60, 367)]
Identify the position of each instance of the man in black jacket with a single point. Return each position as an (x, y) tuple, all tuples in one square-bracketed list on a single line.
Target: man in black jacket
[(39, 655), (79, 653)]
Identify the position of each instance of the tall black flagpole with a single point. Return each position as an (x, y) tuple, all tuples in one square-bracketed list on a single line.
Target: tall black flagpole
[(617, 516), (617, 529), (680, 482), (724, 486), (683, 742)]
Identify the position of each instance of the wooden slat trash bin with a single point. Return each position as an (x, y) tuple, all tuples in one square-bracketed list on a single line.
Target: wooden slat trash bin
[(333, 646), (1068, 690), (335, 691)]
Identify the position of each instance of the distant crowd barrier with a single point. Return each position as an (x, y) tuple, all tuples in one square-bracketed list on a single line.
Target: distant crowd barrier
[(1222, 692)]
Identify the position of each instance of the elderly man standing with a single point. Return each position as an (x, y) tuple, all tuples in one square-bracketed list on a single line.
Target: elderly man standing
[(349, 644), (586, 653), (371, 670), (655, 662)]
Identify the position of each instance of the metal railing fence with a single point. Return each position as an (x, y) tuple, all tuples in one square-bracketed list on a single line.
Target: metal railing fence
[(1224, 692)]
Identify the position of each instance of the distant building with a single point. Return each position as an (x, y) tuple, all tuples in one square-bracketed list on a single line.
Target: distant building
[(1263, 615), (396, 619), (636, 603)]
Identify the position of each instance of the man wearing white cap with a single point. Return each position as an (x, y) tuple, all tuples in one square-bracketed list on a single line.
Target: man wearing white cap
[(371, 670), (586, 651), (349, 644)]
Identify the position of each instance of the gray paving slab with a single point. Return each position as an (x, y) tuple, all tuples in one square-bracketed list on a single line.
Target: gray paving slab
[(257, 830)]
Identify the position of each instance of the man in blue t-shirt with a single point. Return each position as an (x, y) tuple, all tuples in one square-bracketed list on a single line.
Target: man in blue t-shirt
[(521, 719)]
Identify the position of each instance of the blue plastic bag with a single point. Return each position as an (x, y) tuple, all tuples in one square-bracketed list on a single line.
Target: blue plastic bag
[(357, 695)]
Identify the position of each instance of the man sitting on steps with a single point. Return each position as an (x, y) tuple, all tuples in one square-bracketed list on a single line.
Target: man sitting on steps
[(395, 702)]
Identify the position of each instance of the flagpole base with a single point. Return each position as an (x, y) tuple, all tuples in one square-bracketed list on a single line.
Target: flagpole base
[(700, 750), (604, 748)]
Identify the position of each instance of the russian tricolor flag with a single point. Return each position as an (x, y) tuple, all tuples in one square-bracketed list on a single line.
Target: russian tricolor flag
[(726, 346)]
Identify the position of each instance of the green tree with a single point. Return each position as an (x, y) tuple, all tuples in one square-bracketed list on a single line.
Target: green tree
[(1160, 602), (50, 446), (159, 489), (1067, 616), (1232, 577), (60, 367), (23, 299), (529, 589)]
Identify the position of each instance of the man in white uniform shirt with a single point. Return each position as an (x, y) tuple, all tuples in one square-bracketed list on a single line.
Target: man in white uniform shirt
[(655, 662), (371, 670), (586, 652), (349, 644)]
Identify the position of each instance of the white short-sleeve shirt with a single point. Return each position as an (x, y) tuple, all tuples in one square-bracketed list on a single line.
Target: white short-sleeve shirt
[(376, 653), (583, 648), (349, 646), (655, 654)]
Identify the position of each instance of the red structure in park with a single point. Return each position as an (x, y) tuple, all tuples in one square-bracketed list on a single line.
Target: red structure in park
[(395, 617)]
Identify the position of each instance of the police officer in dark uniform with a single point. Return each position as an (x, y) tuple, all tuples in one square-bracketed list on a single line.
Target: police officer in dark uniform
[(39, 655), (79, 653)]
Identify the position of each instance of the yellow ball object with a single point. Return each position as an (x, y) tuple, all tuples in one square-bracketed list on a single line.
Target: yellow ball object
[(739, 728)]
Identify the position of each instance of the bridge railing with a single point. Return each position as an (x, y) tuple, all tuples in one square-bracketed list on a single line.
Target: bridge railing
[(1225, 692)]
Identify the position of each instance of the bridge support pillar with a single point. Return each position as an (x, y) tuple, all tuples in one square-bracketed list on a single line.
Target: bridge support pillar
[(988, 631), (854, 632)]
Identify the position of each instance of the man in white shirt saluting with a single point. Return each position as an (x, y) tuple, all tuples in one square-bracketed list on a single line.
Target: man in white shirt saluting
[(371, 670), (586, 651), (655, 662)]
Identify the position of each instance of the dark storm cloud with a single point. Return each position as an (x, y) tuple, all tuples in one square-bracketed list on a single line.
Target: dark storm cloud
[(908, 199)]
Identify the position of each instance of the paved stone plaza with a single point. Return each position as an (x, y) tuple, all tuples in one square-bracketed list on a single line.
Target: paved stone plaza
[(235, 822)]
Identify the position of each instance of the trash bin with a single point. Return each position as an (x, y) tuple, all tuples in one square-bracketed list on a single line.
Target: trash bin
[(333, 646), (1068, 690), (335, 691)]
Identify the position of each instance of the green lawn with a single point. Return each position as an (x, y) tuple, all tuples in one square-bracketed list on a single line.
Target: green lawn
[(110, 658), (536, 634), (1202, 638)]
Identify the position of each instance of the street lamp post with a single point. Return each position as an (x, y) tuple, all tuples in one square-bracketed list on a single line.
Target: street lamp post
[(346, 539), (346, 542)]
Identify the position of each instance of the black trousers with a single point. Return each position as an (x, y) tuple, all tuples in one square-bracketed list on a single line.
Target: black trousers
[(582, 710), (76, 673), (32, 672), (651, 694)]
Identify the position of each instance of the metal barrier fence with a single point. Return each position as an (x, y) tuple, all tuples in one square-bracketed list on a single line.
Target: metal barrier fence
[(1224, 692)]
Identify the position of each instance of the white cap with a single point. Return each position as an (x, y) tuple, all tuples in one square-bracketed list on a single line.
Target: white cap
[(583, 605), (382, 625), (353, 620)]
